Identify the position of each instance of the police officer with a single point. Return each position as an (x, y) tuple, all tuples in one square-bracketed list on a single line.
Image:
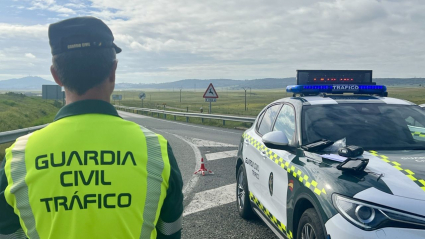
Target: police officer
[(89, 174)]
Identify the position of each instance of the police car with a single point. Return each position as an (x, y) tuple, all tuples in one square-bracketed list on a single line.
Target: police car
[(337, 160)]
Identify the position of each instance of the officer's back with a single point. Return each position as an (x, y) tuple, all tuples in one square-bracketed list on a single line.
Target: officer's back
[(89, 174)]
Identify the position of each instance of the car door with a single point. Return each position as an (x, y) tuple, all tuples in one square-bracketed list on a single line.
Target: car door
[(255, 153), (278, 183), (250, 155)]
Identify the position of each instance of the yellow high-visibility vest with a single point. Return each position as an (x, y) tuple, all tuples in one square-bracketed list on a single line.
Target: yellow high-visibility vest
[(88, 176)]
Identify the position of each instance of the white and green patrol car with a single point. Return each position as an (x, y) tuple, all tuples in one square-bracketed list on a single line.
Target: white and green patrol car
[(297, 189)]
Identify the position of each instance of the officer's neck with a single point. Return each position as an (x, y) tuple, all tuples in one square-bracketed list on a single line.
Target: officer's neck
[(92, 94)]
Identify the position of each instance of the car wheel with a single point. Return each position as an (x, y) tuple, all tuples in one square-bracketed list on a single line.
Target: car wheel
[(309, 226), (242, 194)]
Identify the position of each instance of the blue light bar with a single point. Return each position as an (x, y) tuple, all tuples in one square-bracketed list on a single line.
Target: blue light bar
[(338, 89)]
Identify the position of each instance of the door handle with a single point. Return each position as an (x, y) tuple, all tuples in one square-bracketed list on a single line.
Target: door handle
[(263, 153), (246, 141)]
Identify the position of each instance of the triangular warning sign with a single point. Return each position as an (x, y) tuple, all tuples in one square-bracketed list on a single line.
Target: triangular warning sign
[(210, 92)]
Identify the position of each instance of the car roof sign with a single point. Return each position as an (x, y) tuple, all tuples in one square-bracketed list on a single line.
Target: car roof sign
[(314, 82)]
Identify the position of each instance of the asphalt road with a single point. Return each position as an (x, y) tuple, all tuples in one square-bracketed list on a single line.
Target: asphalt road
[(210, 200)]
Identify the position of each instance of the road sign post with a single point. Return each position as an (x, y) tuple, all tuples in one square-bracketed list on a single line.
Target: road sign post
[(117, 97), (245, 88), (210, 95), (142, 96)]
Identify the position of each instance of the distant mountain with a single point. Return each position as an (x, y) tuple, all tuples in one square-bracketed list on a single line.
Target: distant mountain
[(26, 83), (268, 83), (35, 83), (400, 81)]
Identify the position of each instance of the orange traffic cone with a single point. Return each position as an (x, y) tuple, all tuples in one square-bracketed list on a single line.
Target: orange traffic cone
[(203, 170)]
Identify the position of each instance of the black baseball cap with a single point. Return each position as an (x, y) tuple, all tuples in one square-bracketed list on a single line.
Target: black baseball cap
[(80, 33)]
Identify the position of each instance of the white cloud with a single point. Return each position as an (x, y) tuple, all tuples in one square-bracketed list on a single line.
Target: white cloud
[(290, 35), (11, 31), (30, 55), (50, 5), (172, 40), (75, 5)]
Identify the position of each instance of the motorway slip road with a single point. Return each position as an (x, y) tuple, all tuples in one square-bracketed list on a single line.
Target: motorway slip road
[(210, 201)]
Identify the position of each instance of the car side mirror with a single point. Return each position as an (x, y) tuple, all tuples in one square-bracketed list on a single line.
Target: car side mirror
[(276, 140)]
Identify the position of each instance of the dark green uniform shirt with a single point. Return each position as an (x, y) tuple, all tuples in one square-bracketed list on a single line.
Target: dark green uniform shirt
[(172, 209)]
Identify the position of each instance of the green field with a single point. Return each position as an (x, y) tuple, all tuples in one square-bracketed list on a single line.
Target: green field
[(19, 111), (232, 102), (229, 102), (415, 95)]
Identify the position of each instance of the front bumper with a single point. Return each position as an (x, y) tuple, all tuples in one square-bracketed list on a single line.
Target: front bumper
[(338, 227)]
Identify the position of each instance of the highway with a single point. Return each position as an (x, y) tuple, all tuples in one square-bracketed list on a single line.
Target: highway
[(210, 201)]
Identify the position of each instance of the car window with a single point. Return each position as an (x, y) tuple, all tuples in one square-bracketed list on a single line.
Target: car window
[(372, 126), (285, 122), (268, 119), (260, 119)]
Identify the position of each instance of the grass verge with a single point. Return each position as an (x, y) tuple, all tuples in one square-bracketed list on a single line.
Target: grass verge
[(18, 111), (3, 147)]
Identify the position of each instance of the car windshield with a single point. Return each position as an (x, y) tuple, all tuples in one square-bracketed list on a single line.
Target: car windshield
[(371, 126)]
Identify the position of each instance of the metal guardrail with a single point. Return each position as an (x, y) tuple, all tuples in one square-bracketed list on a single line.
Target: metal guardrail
[(10, 136), (224, 118)]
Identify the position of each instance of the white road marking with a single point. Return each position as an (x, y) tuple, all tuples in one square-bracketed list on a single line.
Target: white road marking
[(132, 114), (194, 179), (202, 200), (208, 143), (211, 198), (221, 155), (140, 116)]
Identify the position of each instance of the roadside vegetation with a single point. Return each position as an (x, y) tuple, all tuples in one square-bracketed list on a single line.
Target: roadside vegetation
[(415, 95), (19, 111), (230, 102)]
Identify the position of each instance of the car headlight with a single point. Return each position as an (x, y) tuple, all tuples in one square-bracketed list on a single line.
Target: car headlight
[(371, 217)]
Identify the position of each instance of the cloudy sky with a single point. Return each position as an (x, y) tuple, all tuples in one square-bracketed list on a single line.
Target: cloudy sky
[(168, 40)]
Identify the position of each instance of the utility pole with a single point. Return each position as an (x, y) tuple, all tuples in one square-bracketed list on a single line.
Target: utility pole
[(180, 94), (246, 88)]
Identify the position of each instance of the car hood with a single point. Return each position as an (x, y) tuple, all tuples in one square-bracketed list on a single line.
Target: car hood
[(402, 171)]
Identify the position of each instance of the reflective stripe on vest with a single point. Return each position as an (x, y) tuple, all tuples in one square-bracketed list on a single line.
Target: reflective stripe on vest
[(17, 187), (88, 176), (153, 193)]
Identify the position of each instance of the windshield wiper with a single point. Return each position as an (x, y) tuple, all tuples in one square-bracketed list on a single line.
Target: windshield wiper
[(317, 145)]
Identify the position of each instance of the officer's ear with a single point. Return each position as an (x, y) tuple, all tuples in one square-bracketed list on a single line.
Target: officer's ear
[(113, 71), (55, 75)]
